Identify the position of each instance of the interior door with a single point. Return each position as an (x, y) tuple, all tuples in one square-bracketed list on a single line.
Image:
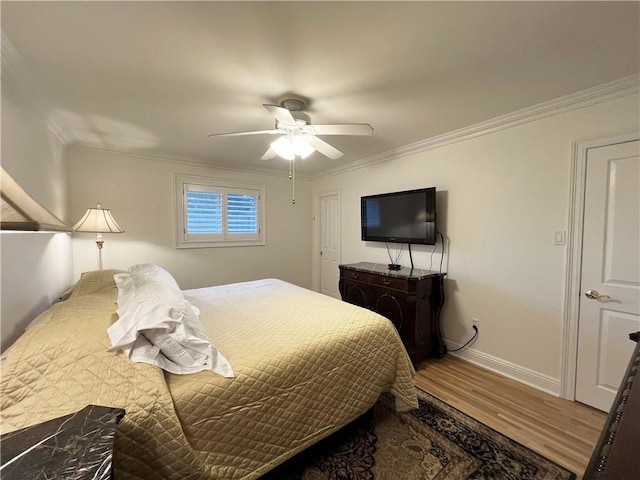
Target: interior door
[(610, 276), (329, 231)]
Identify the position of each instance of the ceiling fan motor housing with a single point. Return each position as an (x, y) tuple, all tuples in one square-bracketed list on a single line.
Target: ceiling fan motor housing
[(293, 103), (301, 117)]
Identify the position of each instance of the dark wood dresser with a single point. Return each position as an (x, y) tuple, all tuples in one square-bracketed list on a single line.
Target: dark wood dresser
[(411, 298), (617, 454)]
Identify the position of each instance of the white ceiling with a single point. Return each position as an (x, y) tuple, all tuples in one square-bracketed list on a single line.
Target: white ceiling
[(158, 77)]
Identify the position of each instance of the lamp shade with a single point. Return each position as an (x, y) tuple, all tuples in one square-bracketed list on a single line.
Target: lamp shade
[(97, 220)]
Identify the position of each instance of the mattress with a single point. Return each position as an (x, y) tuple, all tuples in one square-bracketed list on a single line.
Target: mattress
[(305, 365)]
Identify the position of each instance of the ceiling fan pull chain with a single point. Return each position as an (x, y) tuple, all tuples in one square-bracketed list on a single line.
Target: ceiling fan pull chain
[(292, 176)]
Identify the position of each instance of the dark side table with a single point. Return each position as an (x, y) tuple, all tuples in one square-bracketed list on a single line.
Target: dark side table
[(78, 446)]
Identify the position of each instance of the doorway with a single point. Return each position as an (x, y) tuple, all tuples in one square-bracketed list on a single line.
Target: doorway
[(329, 241), (603, 294)]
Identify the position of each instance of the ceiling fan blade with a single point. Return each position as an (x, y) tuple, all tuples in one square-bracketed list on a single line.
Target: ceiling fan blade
[(269, 154), (282, 114), (256, 132), (323, 147), (348, 129)]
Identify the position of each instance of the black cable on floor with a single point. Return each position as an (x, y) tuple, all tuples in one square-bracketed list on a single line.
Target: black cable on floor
[(475, 335)]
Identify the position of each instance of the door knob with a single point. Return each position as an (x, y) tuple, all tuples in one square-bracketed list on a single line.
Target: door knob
[(593, 294)]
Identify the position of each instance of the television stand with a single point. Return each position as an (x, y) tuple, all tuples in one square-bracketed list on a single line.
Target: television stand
[(411, 298)]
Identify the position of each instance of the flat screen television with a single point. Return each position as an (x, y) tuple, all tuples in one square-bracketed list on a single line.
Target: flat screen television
[(400, 217)]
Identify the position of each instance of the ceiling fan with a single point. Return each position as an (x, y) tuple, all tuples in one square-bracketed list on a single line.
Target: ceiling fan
[(298, 137)]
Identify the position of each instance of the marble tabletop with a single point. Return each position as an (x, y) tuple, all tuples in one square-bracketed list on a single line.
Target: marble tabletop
[(74, 447), (383, 269)]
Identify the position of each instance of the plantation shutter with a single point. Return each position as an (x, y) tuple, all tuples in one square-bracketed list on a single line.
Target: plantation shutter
[(204, 212), (216, 214), (242, 213)]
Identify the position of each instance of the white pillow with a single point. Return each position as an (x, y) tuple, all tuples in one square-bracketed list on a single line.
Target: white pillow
[(157, 325), (134, 288), (159, 277), (157, 272)]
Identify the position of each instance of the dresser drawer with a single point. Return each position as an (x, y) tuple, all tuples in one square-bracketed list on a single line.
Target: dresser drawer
[(379, 280), (390, 282), (359, 276)]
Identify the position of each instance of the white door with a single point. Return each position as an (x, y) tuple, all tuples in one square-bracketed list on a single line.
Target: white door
[(610, 277), (329, 231)]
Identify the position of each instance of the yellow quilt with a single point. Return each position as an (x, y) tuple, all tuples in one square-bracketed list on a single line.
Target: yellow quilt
[(305, 365)]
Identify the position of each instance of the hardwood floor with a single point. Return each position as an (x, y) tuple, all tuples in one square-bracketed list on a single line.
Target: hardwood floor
[(562, 431)]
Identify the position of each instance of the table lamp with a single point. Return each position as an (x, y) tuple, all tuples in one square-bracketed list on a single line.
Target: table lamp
[(98, 220)]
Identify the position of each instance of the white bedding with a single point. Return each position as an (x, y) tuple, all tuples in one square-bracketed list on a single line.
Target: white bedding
[(156, 325)]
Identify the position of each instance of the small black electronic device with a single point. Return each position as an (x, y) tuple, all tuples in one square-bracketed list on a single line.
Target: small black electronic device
[(394, 266), (400, 217)]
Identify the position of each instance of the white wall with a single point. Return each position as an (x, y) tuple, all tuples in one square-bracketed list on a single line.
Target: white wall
[(500, 198), (35, 267), (139, 192)]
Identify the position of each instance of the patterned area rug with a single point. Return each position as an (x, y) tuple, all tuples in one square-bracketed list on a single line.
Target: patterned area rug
[(435, 442)]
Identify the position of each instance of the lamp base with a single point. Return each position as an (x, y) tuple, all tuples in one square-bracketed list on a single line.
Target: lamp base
[(99, 244)]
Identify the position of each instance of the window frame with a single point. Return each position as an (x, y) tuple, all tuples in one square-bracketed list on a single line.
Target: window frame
[(225, 186)]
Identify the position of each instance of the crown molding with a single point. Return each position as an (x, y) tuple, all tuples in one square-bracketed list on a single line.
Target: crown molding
[(180, 160), (622, 87), (16, 72)]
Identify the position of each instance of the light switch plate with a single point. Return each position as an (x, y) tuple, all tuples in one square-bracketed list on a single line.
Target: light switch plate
[(560, 237)]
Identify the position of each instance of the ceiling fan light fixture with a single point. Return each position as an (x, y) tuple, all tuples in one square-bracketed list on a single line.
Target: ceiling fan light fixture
[(290, 146), (301, 147), (282, 146)]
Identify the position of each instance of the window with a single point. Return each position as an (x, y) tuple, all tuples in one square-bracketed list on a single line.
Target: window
[(216, 213)]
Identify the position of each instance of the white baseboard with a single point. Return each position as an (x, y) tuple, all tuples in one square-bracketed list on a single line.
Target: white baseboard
[(511, 370)]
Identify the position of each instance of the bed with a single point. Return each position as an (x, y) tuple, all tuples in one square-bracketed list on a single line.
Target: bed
[(305, 364)]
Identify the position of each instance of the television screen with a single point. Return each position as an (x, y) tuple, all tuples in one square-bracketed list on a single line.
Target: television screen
[(400, 217)]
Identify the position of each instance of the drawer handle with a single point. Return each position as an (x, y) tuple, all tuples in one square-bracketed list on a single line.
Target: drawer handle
[(355, 275), (386, 281)]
